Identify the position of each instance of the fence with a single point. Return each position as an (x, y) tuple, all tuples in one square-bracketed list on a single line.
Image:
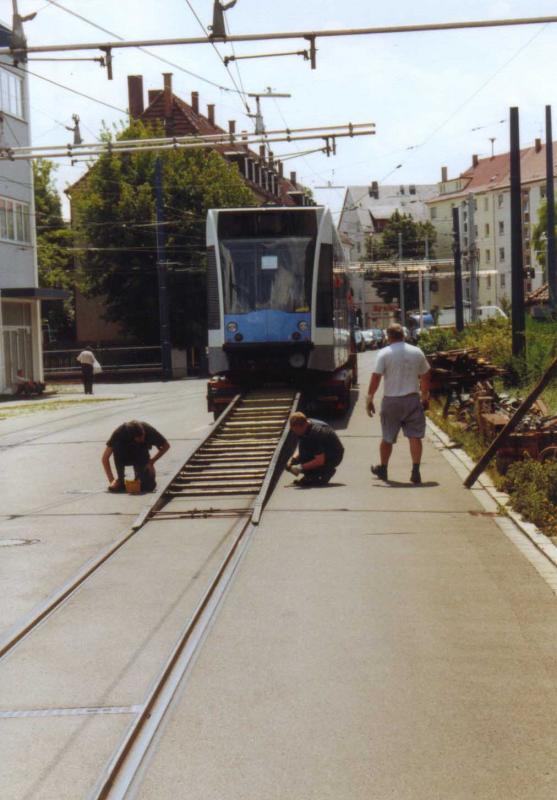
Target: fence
[(115, 361)]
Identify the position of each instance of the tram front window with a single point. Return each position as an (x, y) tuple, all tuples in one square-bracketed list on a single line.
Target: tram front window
[(261, 274)]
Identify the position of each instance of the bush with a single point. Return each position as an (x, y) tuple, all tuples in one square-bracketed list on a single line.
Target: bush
[(532, 486)]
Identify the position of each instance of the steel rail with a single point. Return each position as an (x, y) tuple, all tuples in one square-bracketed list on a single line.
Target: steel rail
[(307, 35), (24, 628), (123, 768)]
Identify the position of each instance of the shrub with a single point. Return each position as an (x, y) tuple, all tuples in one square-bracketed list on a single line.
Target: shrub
[(532, 486)]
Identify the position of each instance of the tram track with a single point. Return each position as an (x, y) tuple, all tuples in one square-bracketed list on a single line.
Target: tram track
[(230, 474)]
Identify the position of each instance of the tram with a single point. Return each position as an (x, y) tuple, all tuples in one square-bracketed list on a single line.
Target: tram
[(278, 304)]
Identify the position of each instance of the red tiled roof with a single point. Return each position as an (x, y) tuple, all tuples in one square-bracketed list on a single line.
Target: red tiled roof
[(494, 173)]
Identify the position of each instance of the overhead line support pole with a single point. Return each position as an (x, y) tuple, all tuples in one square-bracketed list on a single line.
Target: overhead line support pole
[(517, 266), (550, 199), (459, 315), (164, 322)]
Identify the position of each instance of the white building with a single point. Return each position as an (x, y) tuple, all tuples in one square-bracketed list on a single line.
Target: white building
[(20, 297), (482, 195), (367, 209)]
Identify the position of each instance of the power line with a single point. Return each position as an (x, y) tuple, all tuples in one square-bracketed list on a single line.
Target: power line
[(73, 91), (143, 50), (240, 92)]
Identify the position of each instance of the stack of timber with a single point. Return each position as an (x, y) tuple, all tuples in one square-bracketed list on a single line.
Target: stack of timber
[(456, 371)]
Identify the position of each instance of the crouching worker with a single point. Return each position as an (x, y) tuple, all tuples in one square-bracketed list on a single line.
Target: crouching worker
[(319, 451), (130, 445)]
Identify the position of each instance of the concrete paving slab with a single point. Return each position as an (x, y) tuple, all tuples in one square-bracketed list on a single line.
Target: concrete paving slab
[(107, 642), (72, 755), (346, 665), (49, 552)]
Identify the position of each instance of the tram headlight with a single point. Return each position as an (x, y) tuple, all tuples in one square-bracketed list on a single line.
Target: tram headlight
[(302, 325), (238, 337), (297, 360), (296, 336), (232, 327)]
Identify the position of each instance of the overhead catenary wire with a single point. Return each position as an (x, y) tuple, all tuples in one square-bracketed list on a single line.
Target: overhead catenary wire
[(142, 49)]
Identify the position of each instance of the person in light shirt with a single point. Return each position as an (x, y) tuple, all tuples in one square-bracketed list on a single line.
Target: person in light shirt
[(88, 361), (406, 375)]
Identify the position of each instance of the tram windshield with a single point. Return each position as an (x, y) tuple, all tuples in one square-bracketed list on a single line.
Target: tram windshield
[(260, 274)]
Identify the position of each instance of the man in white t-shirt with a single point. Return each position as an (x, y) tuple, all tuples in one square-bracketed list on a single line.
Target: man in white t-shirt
[(406, 376)]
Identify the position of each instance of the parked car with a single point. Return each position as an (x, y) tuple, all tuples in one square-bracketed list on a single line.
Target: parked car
[(359, 340), (369, 339), (447, 316)]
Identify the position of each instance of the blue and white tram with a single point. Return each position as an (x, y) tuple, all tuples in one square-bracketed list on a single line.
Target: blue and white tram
[(278, 300)]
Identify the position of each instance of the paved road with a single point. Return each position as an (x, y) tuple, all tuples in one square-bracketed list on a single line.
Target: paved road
[(53, 486), (378, 642)]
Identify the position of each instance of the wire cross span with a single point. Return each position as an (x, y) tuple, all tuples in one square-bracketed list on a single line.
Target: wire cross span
[(240, 141)]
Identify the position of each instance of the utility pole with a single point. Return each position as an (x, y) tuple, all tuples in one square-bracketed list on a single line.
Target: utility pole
[(166, 350), (401, 301), (258, 116), (550, 198), (427, 278), (459, 316), (517, 267), (472, 260)]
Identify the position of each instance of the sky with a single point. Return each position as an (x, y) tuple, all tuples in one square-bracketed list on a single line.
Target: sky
[(436, 98)]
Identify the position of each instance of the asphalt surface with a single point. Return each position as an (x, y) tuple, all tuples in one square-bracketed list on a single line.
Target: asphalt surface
[(378, 640)]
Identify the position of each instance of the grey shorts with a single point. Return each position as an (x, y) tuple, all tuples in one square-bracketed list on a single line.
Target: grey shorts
[(404, 412)]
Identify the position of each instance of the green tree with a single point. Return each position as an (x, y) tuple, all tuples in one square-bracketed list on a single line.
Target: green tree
[(413, 236), (54, 237), (114, 212), (539, 235)]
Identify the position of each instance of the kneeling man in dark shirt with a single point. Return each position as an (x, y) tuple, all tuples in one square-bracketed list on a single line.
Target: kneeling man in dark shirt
[(130, 445), (319, 450)]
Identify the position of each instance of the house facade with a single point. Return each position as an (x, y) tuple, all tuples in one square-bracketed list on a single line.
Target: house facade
[(482, 195), (20, 297)]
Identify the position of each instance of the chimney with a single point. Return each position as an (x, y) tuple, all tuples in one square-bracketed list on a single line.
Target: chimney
[(538, 145), (293, 177), (475, 160), (195, 102), (281, 169), (211, 113), (444, 174), (167, 94), (232, 126), (135, 95), (262, 150)]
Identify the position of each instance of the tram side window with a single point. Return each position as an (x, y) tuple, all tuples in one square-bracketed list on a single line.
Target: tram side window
[(324, 301)]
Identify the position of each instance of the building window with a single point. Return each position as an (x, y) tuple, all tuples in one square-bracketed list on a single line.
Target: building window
[(502, 280), (433, 212), (14, 221), (501, 228), (11, 93), (500, 200), (488, 279), (475, 231), (487, 229), (501, 254), (475, 204), (486, 203), (543, 190), (488, 256)]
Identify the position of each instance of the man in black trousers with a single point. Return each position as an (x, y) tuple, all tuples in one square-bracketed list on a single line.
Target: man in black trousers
[(319, 452), (129, 445)]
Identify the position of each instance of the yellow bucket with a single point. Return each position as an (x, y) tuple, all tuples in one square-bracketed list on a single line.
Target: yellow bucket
[(133, 486)]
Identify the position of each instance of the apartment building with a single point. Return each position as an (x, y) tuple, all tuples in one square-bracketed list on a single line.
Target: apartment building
[(482, 195), (20, 297)]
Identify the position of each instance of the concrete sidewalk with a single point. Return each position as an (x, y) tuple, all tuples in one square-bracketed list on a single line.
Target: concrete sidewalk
[(379, 641), (56, 513)]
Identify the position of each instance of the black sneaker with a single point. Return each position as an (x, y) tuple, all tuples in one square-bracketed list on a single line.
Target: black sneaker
[(380, 471), (415, 477)]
